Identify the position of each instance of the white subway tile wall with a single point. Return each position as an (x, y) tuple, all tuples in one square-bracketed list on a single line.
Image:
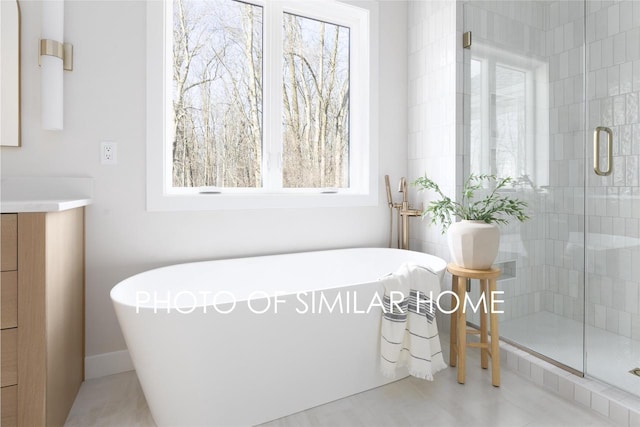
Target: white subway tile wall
[(564, 204), (433, 112), (523, 29)]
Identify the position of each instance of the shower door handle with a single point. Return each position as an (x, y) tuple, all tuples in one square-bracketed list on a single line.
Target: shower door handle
[(596, 150)]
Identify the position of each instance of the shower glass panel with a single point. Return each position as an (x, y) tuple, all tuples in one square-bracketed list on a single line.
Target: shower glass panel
[(524, 118), (552, 98), (613, 200)]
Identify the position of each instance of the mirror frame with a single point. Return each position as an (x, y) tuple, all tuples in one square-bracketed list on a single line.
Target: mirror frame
[(11, 114)]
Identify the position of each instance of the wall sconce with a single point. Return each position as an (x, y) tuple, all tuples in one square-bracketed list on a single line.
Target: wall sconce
[(54, 57)]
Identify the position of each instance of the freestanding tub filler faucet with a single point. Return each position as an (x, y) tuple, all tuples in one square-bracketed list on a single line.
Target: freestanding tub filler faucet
[(403, 210)]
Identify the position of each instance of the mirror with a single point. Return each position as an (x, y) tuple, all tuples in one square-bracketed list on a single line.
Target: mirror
[(9, 73)]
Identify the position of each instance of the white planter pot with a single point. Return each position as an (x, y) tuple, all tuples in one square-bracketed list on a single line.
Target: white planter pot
[(473, 244)]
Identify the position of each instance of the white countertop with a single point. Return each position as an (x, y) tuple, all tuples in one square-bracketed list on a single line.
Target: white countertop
[(53, 205), (44, 194)]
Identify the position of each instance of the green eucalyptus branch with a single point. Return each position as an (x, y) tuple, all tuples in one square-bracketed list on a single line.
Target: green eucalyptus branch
[(494, 208)]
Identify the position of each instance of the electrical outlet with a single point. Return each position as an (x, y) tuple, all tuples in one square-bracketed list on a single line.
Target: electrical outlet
[(108, 153)]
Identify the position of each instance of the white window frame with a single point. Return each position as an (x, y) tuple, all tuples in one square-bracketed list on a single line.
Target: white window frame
[(363, 149), (537, 107)]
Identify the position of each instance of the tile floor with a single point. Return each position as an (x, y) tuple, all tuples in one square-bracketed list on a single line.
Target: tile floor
[(117, 400), (561, 339)]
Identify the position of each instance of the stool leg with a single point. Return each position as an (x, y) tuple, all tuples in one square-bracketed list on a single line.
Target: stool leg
[(484, 356), (462, 329), (495, 337), (453, 330)]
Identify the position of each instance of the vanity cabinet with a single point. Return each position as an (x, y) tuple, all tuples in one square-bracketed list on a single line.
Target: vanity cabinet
[(9, 318), (42, 298)]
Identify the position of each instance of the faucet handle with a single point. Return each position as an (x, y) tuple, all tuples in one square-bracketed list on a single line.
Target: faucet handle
[(410, 211)]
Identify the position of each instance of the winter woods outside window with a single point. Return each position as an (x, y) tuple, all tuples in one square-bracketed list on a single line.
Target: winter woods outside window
[(316, 103), (222, 65)]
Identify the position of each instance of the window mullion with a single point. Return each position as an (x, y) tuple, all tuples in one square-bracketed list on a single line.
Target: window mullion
[(272, 108)]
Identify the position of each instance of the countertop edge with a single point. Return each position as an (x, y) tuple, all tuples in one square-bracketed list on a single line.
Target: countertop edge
[(55, 205)]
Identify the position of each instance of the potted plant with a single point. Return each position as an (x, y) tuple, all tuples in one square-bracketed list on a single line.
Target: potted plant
[(474, 241)]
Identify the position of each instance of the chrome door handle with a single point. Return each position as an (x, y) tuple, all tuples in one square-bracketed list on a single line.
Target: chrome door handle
[(596, 150)]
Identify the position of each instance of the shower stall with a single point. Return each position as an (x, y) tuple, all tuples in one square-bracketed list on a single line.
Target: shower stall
[(551, 98)]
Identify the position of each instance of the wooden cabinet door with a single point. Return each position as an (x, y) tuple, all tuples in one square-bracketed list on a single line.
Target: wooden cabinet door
[(9, 249)]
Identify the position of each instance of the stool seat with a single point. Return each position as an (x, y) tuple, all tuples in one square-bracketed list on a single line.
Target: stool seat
[(456, 270), (459, 331)]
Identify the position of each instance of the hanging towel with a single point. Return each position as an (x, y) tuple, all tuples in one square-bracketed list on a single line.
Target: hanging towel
[(409, 332)]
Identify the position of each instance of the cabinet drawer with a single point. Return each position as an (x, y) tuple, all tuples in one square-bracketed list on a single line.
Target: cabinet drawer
[(9, 299), (9, 240), (9, 365), (9, 406)]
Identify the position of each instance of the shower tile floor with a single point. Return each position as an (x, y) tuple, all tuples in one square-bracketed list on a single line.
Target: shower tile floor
[(610, 356), (117, 400)]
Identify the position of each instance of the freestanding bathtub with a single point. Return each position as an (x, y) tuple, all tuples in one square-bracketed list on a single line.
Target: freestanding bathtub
[(245, 341)]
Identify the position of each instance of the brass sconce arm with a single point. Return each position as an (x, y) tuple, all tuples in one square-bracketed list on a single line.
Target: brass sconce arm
[(54, 48)]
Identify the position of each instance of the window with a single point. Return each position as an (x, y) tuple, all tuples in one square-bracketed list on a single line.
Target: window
[(508, 116), (316, 103), (217, 94), (258, 104)]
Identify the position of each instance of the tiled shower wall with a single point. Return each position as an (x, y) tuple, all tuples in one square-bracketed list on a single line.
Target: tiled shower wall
[(563, 206), (501, 30), (436, 126), (432, 149), (613, 205)]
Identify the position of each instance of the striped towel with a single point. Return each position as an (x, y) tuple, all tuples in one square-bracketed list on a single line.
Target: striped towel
[(409, 332)]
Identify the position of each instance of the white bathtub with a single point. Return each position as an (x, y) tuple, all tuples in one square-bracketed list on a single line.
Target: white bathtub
[(244, 368)]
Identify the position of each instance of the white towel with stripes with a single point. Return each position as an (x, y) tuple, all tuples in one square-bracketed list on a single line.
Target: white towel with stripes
[(409, 332)]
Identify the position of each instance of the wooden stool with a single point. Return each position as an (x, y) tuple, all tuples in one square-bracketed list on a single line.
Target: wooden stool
[(459, 321)]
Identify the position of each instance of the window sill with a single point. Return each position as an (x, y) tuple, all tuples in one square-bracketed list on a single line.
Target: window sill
[(238, 201)]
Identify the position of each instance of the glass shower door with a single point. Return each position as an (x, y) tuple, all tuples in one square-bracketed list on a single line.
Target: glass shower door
[(524, 118), (612, 334), (552, 99)]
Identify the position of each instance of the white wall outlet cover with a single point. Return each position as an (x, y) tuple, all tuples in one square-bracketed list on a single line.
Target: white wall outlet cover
[(108, 153)]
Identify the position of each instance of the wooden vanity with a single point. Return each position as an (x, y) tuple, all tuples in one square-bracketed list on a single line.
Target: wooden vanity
[(42, 297)]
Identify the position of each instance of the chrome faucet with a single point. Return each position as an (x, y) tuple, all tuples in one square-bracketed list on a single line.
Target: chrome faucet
[(404, 211)]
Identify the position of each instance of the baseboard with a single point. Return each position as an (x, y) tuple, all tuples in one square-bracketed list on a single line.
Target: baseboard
[(101, 365)]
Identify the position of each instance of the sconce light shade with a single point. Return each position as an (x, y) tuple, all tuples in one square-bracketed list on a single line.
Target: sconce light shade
[(51, 86)]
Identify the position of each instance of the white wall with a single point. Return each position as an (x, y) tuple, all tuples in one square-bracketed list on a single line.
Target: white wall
[(105, 99)]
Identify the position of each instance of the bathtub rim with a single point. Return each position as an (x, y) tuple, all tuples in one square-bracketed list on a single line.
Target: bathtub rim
[(119, 295)]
